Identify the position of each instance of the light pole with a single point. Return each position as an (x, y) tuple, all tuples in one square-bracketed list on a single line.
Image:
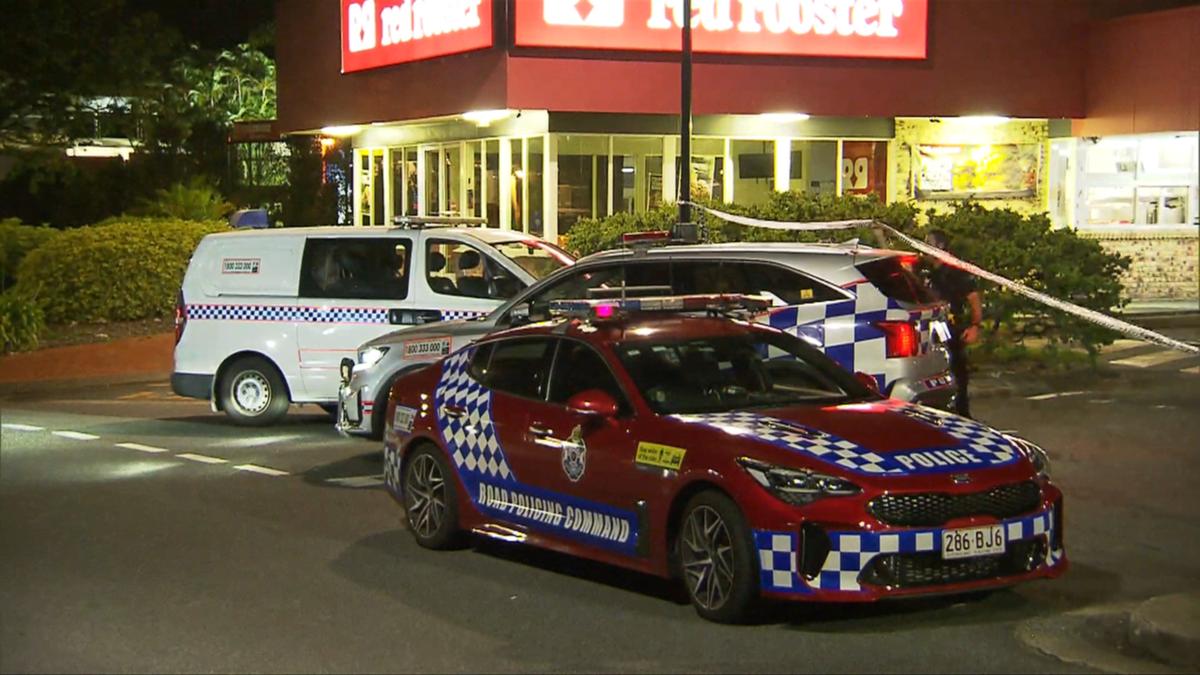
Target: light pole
[(686, 229)]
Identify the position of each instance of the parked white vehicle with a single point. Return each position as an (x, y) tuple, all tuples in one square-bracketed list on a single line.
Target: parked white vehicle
[(265, 317)]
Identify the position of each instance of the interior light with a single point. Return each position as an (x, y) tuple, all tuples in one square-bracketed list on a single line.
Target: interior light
[(627, 169), (784, 116), (520, 173), (486, 117), (328, 142), (341, 131)]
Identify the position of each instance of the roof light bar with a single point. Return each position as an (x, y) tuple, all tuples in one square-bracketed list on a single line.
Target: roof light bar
[(609, 309)]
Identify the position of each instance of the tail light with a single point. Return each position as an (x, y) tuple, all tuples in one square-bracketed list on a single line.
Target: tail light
[(180, 317), (901, 338)]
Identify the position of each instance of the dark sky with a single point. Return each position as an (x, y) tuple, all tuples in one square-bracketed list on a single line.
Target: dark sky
[(212, 24)]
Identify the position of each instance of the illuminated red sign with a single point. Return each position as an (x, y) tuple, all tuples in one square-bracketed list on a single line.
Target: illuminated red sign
[(377, 33), (884, 29)]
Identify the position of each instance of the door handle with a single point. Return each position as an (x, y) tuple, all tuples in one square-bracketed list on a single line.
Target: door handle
[(454, 410), (540, 432)]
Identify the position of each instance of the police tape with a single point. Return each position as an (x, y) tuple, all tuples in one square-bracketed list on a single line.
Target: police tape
[(1123, 327)]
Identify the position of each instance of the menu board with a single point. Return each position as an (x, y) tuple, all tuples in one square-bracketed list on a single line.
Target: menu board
[(1001, 171)]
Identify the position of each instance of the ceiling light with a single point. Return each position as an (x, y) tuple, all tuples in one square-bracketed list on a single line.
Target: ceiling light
[(486, 117), (983, 120), (784, 116), (341, 131)]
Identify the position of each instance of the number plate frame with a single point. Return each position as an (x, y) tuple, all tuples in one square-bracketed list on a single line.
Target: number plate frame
[(973, 542)]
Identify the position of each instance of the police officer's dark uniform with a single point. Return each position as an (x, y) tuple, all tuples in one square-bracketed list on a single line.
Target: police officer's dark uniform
[(954, 286)]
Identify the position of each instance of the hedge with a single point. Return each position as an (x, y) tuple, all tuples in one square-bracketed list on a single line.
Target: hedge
[(16, 241), (1025, 248), (21, 322), (120, 270)]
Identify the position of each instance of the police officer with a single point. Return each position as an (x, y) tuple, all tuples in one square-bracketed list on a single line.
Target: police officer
[(957, 288)]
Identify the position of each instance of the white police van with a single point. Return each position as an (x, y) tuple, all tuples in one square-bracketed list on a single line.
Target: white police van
[(265, 317)]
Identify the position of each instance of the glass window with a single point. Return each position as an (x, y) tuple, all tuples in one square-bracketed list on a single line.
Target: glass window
[(814, 167), (753, 170), (727, 372), (478, 368), (492, 179), (432, 176), (577, 368), (456, 268), (517, 198), (453, 205), (787, 286), (355, 267), (895, 280), (519, 367), (708, 168), (537, 222), (864, 168), (535, 256), (582, 172), (633, 156)]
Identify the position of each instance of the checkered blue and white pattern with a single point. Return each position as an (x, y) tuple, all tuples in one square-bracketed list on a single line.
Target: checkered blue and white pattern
[(798, 438), (287, 313), (777, 566), (455, 314), (850, 552), (979, 438), (391, 468), (470, 436), (846, 330)]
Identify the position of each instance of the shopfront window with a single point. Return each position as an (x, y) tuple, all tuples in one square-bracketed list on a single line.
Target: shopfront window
[(534, 172), (634, 159), (582, 179), (452, 204), (492, 196), (708, 168), (520, 188), (433, 174), (864, 168), (754, 171), (1139, 180)]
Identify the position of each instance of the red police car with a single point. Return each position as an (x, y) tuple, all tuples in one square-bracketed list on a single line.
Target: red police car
[(720, 451)]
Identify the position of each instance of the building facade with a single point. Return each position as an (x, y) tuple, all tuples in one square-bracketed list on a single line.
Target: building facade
[(536, 113)]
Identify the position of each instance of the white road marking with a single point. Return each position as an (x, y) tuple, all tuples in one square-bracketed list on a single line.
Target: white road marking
[(1124, 346), (1101, 400), (1056, 394), (357, 481), (1156, 358), (141, 448), (22, 427), (266, 471), (254, 441), (203, 459), (1194, 370), (75, 435)]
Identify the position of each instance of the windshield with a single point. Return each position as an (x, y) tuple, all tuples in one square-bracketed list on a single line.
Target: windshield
[(727, 372), (538, 258)]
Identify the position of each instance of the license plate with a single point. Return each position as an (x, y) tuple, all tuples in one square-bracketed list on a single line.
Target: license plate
[(971, 542)]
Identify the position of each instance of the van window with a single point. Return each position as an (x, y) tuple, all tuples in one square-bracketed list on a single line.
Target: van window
[(457, 268), (364, 268)]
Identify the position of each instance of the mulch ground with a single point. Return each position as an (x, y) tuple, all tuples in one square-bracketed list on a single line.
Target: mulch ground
[(62, 335), (150, 355)]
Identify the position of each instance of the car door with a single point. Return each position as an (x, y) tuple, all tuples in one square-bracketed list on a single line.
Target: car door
[(569, 466), (348, 287)]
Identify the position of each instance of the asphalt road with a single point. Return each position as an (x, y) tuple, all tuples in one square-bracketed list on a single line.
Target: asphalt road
[(139, 532)]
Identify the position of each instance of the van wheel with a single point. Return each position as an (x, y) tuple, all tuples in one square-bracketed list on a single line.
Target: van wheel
[(252, 392)]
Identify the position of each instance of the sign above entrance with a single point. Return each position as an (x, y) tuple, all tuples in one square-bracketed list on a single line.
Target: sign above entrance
[(378, 33), (881, 29)]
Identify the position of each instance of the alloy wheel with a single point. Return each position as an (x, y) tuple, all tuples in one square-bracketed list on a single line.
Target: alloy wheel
[(707, 557), (425, 496)]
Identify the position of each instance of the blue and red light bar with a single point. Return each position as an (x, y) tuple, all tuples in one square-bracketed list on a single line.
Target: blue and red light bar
[(614, 308)]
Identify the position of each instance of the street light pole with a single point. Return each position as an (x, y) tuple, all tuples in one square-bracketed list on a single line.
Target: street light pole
[(686, 229)]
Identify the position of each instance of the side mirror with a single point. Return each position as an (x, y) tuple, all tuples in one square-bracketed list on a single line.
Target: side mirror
[(593, 403), (869, 382)]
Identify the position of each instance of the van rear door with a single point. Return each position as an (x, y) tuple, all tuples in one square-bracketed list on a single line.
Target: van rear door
[(348, 286)]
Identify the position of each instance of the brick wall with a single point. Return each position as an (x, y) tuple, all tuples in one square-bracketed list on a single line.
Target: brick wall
[(1166, 265)]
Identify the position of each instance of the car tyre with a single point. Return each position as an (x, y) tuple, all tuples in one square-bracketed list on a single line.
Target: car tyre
[(252, 392), (715, 557), (431, 499)]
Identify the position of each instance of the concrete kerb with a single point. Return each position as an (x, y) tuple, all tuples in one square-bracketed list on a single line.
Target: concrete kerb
[(1168, 627)]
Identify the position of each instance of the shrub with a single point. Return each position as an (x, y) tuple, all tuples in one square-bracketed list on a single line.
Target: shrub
[(1028, 250), (195, 200), (21, 322), (16, 241), (120, 270)]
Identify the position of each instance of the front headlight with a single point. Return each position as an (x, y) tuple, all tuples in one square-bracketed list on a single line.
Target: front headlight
[(1035, 453), (797, 486), (370, 356)]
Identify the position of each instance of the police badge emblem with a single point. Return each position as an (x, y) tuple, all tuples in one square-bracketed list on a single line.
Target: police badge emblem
[(574, 455)]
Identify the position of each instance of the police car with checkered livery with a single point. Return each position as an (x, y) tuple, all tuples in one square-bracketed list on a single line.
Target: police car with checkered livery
[(727, 454), (863, 306), (265, 317)]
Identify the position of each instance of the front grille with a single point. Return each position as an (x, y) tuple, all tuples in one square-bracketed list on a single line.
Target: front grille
[(915, 570), (924, 509)]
